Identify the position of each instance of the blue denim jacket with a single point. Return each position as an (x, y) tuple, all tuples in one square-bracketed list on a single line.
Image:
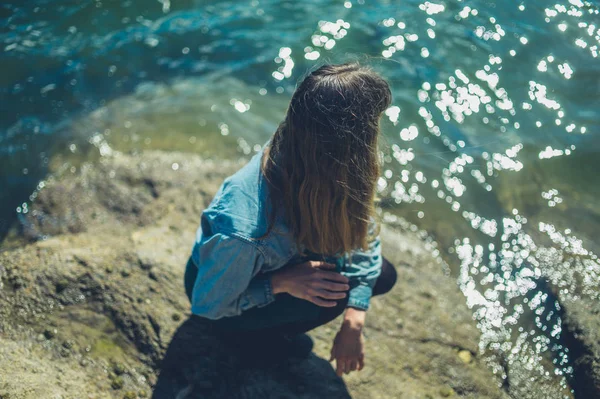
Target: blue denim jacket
[(233, 264)]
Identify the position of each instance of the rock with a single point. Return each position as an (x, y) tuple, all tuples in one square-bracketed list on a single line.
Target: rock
[(68, 344), (50, 333), (117, 382), (64, 352), (581, 331), (145, 264), (119, 368), (152, 274), (465, 356), (61, 285), (136, 222)]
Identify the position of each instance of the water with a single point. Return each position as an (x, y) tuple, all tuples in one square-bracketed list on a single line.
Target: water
[(490, 146)]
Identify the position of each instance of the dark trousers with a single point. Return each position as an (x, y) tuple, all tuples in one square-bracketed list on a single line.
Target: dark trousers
[(288, 314)]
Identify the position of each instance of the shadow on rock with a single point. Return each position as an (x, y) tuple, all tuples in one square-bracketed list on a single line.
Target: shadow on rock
[(201, 364)]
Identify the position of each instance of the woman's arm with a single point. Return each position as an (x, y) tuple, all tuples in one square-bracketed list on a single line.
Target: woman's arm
[(363, 271), (348, 345), (228, 280), (365, 268)]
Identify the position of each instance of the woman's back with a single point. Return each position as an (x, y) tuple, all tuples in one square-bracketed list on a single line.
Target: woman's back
[(241, 209)]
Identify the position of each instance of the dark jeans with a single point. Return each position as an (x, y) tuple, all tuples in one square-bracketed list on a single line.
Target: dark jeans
[(288, 314)]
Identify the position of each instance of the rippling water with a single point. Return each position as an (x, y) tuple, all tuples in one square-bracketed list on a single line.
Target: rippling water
[(491, 144)]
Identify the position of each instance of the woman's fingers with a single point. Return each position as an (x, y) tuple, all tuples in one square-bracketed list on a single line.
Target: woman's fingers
[(321, 265), (333, 351), (321, 302), (332, 276), (353, 365), (345, 365), (361, 363), (340, 365), (331, 286), (328, 294)]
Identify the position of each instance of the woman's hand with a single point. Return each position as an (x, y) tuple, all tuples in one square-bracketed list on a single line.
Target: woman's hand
[(348, 345), (311, 281)]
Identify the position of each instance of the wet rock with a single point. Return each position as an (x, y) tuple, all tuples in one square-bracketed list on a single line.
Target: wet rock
[(581, 331)]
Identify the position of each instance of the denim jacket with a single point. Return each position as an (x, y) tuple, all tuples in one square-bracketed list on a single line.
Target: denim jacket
[(234, 264)]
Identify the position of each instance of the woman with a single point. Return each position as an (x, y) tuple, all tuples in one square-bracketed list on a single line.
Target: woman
[(289, 241)]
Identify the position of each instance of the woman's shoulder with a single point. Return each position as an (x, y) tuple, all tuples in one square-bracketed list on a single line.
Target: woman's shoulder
[(242, 204)]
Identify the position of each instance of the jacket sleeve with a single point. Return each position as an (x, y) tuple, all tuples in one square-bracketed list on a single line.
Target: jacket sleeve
[(363, 270), (228, 280)]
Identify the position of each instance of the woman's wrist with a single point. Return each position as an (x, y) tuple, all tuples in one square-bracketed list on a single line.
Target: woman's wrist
[(354, 318), (278, 283)]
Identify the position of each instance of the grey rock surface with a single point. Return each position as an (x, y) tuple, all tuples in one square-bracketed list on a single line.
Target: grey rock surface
[(92, 302)]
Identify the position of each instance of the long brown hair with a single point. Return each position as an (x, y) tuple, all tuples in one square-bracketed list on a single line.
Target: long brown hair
[(322, 162)]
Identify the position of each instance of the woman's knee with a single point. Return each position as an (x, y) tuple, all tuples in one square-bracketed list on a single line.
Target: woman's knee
[(189, 278), (387, 278)]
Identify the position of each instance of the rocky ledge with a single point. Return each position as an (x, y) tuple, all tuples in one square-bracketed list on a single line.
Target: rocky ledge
[(92, 303)]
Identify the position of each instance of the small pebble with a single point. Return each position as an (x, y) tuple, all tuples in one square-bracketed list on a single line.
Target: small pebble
[(117, 383), (145, 264), (50, 333), (465, 356), (119, 368), (61, 286)]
